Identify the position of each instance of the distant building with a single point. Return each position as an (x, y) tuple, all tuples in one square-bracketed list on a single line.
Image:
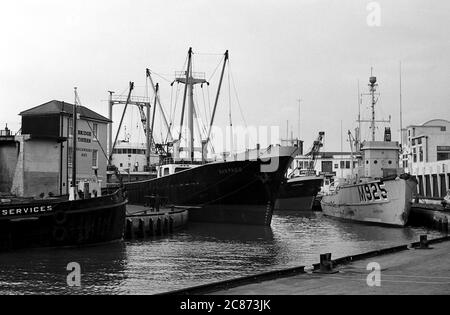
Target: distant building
[(330, 164), (39, 161), (426, 155)]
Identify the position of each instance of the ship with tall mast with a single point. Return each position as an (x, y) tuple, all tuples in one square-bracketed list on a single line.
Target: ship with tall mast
[(378, 191), (241, 189)]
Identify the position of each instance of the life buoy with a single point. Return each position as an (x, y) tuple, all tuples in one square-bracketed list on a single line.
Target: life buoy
[(60, 217), (59, 234)]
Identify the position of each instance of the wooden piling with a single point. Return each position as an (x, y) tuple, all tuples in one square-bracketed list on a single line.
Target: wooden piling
[(129, 229), (151, 229)]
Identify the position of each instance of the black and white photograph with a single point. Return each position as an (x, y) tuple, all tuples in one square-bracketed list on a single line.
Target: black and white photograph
[(222, 154)]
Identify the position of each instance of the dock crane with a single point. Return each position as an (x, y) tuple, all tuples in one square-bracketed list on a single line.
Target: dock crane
[(317, 144)]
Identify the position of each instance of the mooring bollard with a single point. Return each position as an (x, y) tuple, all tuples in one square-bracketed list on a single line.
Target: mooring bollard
[(326, 264), (159, 227), (170, 225), (151, 230), (423, 243), (166, 226), (445, 224)]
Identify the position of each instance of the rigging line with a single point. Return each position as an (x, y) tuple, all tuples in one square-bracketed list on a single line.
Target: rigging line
[(201, 125), (204, 105), (209, 54), (237, 96), (230, 114), (176, 102), (171, 106), (160, 75), (217, 67), (209, 102)]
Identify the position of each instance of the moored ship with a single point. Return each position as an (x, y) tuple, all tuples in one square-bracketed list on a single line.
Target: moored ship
[(299, 193), (299, 190), (57, 222), (83, 217), (378, 192), (239, 189)]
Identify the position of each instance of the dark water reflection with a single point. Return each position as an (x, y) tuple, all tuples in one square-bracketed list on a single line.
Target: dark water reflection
[(201, 254)]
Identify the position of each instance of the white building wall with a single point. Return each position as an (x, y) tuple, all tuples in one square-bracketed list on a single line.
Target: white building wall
[(433, 175)]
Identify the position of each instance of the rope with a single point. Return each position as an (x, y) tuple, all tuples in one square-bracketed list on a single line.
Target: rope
[(237, 96), (217, 67), (208, 54), (160, 75)]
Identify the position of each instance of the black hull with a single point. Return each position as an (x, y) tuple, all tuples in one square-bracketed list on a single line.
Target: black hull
[(227, 192), (298, 194), (62, 223)]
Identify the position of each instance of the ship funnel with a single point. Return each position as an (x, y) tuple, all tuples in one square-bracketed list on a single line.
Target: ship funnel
[(373, 80)]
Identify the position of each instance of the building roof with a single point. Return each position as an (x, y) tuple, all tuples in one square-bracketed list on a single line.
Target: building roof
[(432, 123), (58, 107)]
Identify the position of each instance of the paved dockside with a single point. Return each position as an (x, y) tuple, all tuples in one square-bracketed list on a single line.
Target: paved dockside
[(413, 271)]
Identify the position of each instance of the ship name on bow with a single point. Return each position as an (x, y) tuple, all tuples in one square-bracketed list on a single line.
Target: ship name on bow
[(26, 210), (372, 192)]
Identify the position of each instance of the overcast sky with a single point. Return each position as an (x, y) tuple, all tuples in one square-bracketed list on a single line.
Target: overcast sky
[(280, 50)]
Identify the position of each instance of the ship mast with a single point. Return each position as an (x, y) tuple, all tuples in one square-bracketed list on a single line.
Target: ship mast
[(189, 80), (373, 87), (74, 150), (373, 93)]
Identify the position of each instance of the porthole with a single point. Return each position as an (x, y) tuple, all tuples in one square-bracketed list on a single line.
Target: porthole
[(390, 162), (375, 162)]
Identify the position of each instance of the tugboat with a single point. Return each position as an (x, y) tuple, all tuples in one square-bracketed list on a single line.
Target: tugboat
[(378, 192), (85, 217), (242, 189)]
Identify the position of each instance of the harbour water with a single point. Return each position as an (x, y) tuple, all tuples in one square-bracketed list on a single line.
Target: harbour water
[(203, 253)]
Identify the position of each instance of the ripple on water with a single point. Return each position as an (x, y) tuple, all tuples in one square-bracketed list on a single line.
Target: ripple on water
[(201, 254)]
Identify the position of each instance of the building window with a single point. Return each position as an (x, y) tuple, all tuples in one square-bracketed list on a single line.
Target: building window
[(413, 141), (336, 166), (70, 126), (443, 156), (342, 164), (420, 154), (95, 130), (347, 164), (443, 153), (94, 158), (414, 155), (419, 141), (443, 128)]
